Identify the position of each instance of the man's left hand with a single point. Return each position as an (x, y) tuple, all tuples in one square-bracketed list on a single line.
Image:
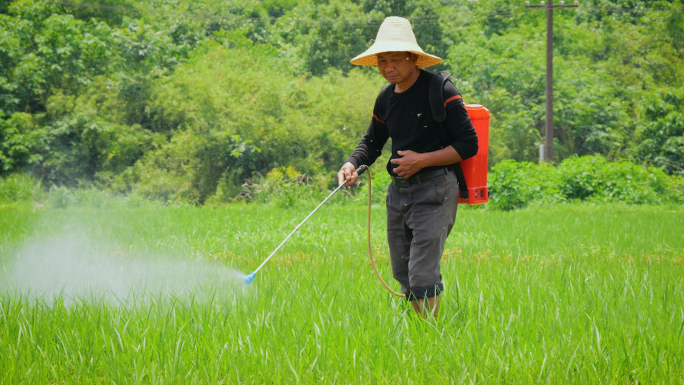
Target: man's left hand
[(410, 163)]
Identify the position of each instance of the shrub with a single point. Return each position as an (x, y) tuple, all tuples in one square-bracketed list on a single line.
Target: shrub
[(60, 197), (284, 187), (21, 188), (579, 178), (628, 182), (516, 184)]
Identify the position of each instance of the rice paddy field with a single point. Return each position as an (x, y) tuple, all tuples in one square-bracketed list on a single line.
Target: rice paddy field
[(563, 294)]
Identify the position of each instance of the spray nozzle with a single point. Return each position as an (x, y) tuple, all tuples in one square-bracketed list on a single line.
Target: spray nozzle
[(248, 279)]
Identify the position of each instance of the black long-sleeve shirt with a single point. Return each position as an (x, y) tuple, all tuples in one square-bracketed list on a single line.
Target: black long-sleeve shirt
[(410, 124)]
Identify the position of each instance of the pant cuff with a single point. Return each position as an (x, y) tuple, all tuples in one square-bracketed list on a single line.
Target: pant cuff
[(425, 292)]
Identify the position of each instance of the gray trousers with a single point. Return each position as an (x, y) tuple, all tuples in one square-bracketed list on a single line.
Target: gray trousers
[(419, 220)]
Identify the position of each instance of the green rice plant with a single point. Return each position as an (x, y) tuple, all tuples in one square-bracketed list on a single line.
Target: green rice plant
[(589, 293)]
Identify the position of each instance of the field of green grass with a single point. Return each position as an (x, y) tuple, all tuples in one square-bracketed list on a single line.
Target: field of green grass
[(562, 294)]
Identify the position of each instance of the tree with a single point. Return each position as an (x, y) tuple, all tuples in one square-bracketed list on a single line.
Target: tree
[(660, 139)]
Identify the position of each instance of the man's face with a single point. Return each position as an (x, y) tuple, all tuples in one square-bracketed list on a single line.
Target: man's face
[(396, 67)]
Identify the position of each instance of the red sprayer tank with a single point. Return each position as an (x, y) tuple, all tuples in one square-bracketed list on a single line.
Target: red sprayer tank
[(475, 168)]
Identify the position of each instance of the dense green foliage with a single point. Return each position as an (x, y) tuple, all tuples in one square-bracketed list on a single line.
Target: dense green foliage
[(186, 101), (592, 178), (20, 188), (567, 294), (511, 185)]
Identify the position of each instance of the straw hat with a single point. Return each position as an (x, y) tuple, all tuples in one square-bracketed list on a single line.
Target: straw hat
[(395, 34)]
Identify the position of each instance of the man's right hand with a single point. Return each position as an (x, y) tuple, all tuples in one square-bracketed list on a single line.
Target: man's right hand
[(348, 173)]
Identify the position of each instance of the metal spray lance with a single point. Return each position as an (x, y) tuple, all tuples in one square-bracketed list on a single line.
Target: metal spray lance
[(248, 279)]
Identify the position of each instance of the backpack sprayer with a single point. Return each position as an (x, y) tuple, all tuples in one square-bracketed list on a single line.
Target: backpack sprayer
[(472, 183)]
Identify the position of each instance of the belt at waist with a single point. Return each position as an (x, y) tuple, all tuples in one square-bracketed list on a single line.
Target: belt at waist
[(405, 182)]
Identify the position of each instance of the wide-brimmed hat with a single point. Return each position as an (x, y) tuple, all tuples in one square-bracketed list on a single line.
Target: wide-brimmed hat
[(395, 34)]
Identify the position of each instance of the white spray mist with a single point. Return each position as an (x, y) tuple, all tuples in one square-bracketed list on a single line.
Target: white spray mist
[(71, 267)]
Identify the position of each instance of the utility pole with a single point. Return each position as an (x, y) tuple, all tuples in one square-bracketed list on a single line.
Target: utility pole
[(548, 139)]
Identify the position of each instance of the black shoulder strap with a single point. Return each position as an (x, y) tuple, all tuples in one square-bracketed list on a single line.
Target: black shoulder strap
[(383, 101), (439, 113), (437, 95)]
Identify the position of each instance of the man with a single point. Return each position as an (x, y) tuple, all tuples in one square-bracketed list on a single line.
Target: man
[(423, 196)]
